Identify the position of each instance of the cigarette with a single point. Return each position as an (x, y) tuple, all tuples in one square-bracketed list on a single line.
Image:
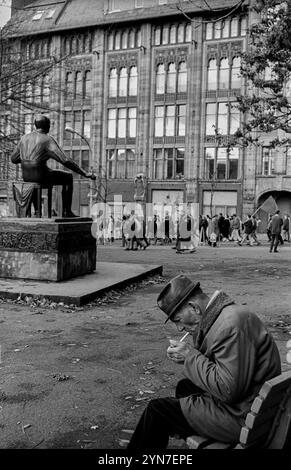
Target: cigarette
[(185, 336)]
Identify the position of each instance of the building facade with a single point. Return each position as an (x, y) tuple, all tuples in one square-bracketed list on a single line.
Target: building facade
[(151, 86)]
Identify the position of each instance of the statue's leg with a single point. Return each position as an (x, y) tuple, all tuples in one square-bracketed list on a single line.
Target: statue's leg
[(64, 179)]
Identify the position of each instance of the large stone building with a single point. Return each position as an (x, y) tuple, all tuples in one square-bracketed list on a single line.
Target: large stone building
[(147, 83)]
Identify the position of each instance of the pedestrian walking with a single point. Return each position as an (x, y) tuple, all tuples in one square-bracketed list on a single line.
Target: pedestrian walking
[(277, 223), (286, 227), (213, 232), (253, 234), (235, 228), (248, 228)]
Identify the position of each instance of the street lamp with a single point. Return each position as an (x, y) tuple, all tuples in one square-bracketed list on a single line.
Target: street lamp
[(73, 131)]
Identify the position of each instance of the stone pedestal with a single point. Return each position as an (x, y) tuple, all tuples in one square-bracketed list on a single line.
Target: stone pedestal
[(46, 249)]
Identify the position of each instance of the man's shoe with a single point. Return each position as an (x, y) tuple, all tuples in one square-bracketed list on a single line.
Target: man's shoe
[(276, 251), (69, 215)]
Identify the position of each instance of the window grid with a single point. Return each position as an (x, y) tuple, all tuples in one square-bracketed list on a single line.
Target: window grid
[(170, 79), (124, 39), (228, 28), (170, 121), (168, 163), (123, 83), (222, 163), (172, 34), (121, 163), (226, 76), (122, 123), (221, 118)]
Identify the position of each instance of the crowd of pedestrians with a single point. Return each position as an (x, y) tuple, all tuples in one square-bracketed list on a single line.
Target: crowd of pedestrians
[(179, 231)]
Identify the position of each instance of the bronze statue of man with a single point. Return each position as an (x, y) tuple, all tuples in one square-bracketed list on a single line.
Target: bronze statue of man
[(34, 150)]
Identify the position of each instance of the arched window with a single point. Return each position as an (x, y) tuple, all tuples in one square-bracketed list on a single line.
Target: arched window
[(225, 28), (124, 40), (243, 26), (133, 81), (171, 78), (113, 83), (234, 27), (87, 84), (217, 29), (78, 85), (181, 33), (138, 38), (165, 35), (29, 92), (117, 40), (160, 82), (182, 77), (123, 78), (110, 41), (69, 85), (74, 45), (88, 43), (131, 39), (157, 36), (224, 74), (212, 75), (67, 46), (46, 89), (235, 73), (173, 34), (188, 32), (37, 92), (209, 30)]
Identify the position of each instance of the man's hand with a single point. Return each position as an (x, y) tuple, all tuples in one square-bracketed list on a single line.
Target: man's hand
[(178, 351), (92, 176)]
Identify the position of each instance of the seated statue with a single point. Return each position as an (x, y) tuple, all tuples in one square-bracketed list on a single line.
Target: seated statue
[(33, 151)]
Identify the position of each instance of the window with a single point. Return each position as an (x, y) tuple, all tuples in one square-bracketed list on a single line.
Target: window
[(182, 77), (170, 120), (173, 34), (222, 163), (157, 36), (37, 93), (113, 83), (111, 123), (87, 124), (212, 75), (28, 123), (123, 82), (121, 123), (234, 27), (138, 3), (180, 33), (160, 83), (138, 38), (165, 35), (171, 78), (188, 32), (46, 89), (124, 40), (168, 163), (110, 41), (222, 122), (120, 164), (130, 163), (50, 14), (225, 28), (227, 120), (132, 122), (181, 120), (235, 73), (131, 39), (85, 160), (159, 121), (210, 118), (267, 162), (113, 6), (117, 40), (217, 29), (68, 123), (87, 84), (158, 164), (234, 119), (224, 74), (29, 92), (209, 30), (111, 163), (37, 16), (77, 121), (133, 81), (69, 85), (78, 86), (243, 26)]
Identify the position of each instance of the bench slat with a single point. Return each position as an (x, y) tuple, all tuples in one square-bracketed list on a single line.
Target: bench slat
[(274, 398), (247, 436), (254, 419), (198, 442)]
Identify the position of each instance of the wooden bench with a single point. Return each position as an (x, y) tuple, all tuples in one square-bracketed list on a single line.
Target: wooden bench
[(267, 425)]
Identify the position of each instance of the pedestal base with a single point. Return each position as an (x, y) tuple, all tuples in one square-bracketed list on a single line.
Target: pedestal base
[(46, 249)]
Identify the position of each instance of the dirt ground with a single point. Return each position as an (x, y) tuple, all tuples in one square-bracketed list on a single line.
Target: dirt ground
[(80, 378)]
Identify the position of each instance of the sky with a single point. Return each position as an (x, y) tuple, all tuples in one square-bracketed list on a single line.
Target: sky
[(4, 11)]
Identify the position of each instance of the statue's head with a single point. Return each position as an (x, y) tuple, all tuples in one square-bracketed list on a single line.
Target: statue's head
[(42, 122)]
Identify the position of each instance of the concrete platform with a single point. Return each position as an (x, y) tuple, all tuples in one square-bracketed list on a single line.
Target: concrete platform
[(83, 289)]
